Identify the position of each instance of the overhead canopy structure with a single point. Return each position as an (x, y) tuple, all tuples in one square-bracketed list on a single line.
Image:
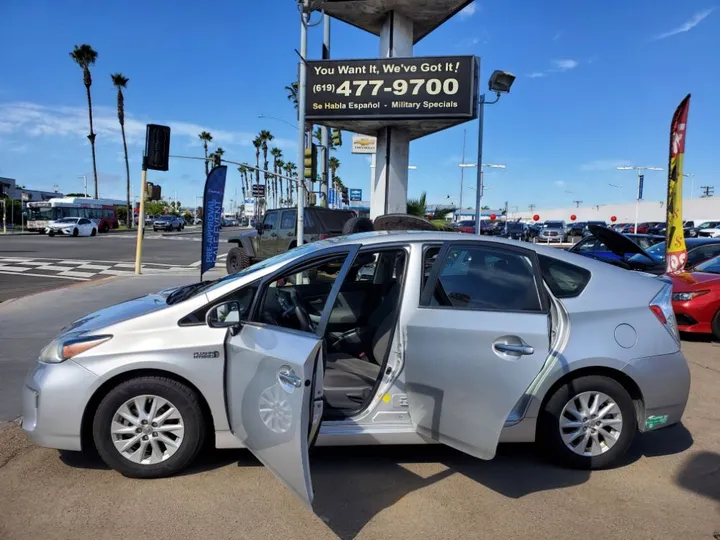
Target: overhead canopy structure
[(370, 15)]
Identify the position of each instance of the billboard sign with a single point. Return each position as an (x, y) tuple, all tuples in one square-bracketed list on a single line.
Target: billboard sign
[(356, 194), (442, 87), (364, 144)]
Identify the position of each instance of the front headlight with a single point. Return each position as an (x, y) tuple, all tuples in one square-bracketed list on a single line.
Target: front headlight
[(60, 350), (685, 296)]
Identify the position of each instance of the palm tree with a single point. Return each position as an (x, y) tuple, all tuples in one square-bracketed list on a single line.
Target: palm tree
[(206, 137), (85, 56), (292, 93), (290, 169), (417, 207), (280, 165), (120, 82), (218, 152), (333, 165), (257, 143), (276, 153), (265, 137), (242, 169)]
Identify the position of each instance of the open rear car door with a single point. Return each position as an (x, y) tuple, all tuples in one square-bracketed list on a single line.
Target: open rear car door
[(274, 396)]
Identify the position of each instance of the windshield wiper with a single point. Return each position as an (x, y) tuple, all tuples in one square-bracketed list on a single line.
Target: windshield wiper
[(183, 293)]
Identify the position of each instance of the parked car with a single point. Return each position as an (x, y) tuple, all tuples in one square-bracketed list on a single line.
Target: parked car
[(594, 247), (699, 250), (495, 341), (71, 226), (534, 230), (466, 226), (277, 233), (694, 232), (168, 223), (696, 298), (517, 231), (658, 229), (552, 231), (644, 228), (576, 228)]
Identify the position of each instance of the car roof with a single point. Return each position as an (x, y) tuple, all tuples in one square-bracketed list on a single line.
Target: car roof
[(690, 242)]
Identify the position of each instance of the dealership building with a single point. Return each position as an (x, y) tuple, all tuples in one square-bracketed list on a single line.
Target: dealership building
[(706, 209)]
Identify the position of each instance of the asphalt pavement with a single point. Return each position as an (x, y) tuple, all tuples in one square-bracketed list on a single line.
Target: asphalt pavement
[(36, 263), (668, 488)]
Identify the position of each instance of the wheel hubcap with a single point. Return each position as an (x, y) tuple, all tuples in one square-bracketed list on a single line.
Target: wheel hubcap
[(590, 423), (147, 429)]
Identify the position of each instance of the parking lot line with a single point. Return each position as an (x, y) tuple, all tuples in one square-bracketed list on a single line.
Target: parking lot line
[(75, 273), (56, 276), (117, 272), (94, 267), (10, 268)]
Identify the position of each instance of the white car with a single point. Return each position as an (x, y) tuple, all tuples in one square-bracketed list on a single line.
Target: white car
[(72, 226), (711, 233)]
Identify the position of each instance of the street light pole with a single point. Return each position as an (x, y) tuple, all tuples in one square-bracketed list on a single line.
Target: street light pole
[(640, 179), (462, 169), (301, 130)]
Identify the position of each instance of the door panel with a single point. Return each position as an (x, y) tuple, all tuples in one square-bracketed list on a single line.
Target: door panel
[(274, 398), (461, 385)]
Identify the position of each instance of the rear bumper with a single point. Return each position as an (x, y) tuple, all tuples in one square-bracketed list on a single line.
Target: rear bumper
[(664, 383)]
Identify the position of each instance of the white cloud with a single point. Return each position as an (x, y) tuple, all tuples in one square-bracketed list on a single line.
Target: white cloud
[(687, 25), (560, 183), (468, 11), (558, 35), (562, 65), (565, 64), (34, 120), (604, 164)]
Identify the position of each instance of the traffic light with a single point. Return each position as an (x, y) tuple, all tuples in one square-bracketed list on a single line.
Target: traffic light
[(345, 198), (216, 160), (310, 162), (313, 199), (157, 147), (336, 137), (153, 192)]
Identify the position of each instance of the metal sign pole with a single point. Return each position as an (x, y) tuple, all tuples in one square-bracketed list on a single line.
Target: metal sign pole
[(301, 130)]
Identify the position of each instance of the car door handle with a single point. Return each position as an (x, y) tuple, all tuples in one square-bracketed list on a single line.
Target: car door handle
[(287, 376), (520, 350)]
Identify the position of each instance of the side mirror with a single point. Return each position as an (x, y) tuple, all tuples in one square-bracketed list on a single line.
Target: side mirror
[(225, 315), (259, 228)]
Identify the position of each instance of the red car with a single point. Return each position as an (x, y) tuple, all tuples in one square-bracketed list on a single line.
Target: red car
[(696, 299), (466, 226)]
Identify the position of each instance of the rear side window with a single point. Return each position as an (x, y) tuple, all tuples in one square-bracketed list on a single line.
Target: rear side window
[(288, 220), (334, 220), (565, 280)]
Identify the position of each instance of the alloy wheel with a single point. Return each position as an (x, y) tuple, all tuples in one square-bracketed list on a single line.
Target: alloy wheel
[(590, 423), (147, 429)]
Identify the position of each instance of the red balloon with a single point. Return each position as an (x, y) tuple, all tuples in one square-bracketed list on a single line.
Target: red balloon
[(536, 217), (573, 217), (613, 219), (492, 217)]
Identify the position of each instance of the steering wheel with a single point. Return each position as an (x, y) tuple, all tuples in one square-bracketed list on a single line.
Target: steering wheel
[(291, 303)]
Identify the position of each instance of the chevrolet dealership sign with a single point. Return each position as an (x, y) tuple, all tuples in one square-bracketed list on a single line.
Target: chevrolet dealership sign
[(364, 144)]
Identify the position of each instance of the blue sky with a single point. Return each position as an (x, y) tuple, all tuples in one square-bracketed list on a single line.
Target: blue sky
[(597, 83)]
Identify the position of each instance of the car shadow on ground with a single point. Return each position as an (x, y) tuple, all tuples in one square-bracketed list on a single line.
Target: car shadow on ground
[(353, 484), (701, 474)]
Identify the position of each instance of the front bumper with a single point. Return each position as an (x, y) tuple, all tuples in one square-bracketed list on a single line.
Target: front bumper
[(162, 226), (694, 315), (54, 399), (53, 230), (664, 382), (543, 238)]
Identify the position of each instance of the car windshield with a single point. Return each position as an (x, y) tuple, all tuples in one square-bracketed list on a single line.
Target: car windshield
[(708, 225), (553, 225), (67, 220), (188, 291), (711, 266)]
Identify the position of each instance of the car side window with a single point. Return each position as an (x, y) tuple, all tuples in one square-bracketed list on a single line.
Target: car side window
[(589, 244), (486, 279), (288, 219), (297, 298), (699, 254), (429, 257), (243, 296), (564, 280), (270, 223)]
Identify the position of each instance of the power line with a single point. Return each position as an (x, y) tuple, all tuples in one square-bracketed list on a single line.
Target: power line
[(707, 191), (577, 204)]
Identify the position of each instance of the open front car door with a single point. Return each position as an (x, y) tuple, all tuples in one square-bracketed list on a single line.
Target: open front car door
[(274, 394)]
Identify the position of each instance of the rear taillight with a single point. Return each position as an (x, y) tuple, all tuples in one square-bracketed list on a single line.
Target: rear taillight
[(661, 306)]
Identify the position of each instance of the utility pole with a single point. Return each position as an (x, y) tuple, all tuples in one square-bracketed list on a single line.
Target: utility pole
[(324, 131), (532, 207), (577, 204), (301, 125), (707, 191)]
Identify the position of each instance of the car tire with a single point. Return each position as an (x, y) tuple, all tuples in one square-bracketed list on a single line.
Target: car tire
[(105, 228), (51, 234), (358, 225), (237, 260), (554, 413), (93, 232), (75, 232), (715, 326), (187, 407), (154, 229)]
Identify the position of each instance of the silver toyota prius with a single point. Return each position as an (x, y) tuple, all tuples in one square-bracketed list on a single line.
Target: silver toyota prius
[(374, 338)]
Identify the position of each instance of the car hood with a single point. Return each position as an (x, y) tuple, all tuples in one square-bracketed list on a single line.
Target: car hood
[(690, 281), (119, 312), (711, 229), (61, 224), (617, 243)]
